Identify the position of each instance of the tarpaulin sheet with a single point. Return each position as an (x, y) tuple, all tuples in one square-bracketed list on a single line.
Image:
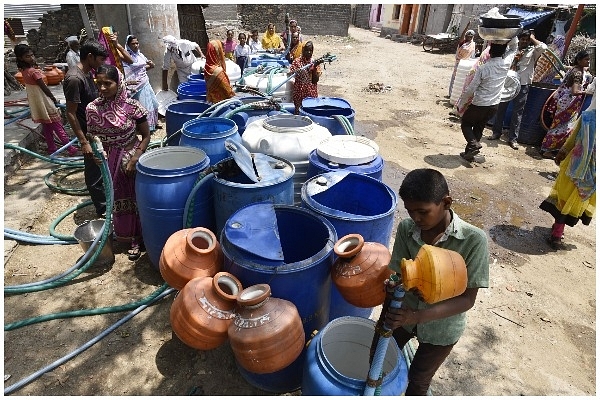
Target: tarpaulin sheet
[(531, 19)]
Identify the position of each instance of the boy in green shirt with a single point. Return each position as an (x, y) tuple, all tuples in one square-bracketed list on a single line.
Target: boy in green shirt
[(436, 326)]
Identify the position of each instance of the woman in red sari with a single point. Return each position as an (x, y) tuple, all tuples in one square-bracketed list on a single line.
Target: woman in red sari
[(218, 87), (305, 84)]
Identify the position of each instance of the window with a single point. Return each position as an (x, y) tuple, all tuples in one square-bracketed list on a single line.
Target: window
[(396, 14)]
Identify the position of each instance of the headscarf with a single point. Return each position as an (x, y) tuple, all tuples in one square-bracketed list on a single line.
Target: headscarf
[(112, 119), (582, 165), (215, 57), (182, 47), (71, 39), (470, 32), (271, 41), (218, 86)]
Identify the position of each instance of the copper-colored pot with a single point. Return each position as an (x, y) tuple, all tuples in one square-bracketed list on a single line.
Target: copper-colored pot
[(360, 271), (267, 333), (53, 74), (437, 273), (19, 78), (202, 312), (188, 254)]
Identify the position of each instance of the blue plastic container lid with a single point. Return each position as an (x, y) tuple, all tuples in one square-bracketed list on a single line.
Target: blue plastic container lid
[(254, 230), (325, 102)]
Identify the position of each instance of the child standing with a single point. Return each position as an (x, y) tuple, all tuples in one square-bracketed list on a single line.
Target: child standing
[(42, 103), (437, 326), (229, 45), (241, 52)]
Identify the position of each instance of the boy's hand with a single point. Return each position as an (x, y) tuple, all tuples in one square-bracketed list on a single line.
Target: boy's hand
[(397, 317)]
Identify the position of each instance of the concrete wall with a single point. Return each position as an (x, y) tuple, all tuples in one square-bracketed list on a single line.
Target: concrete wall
[(221, 12), (314, 19)]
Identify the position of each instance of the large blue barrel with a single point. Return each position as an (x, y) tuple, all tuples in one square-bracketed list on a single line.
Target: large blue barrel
[(531, 131), (337, 361), (346, 152), (195, 77), (192, 90), (232, 189), (353, 203), (165, 178), (291, 249), (180, 112), (209, 134), (322, 110)]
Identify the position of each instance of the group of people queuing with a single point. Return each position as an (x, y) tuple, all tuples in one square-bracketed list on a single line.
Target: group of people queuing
[(570, 138)]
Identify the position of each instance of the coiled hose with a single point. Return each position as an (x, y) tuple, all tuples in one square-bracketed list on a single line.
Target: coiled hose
[(84, 263)]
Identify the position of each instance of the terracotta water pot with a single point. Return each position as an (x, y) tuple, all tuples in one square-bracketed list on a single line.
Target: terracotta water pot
[(438, 273), (188, 254), (267, 333), (360, 270), (202, 312), (53, 74)]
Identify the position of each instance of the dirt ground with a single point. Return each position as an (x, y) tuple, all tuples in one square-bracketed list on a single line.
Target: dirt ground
[(532, 332)]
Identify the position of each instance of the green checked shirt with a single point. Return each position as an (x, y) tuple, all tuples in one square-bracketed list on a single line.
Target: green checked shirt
[(467, 240)]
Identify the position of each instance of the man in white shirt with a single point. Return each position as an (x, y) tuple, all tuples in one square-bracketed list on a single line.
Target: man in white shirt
[(529, 51), (486, 88), (180, 52), (254, 42), (72, 56)]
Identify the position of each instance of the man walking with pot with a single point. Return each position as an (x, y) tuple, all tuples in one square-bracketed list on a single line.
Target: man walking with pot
[(529, 51), (485, 90)]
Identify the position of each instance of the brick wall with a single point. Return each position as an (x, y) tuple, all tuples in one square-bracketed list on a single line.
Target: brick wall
[(314, 19), (48, 42), (361, 16)]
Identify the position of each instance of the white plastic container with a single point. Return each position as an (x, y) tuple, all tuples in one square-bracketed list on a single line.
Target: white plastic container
[(291, 137), (232, 69), (464, 66), (261, 82)]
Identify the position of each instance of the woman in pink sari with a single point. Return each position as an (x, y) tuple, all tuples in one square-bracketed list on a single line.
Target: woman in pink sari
[(565, 104), (117, 120)]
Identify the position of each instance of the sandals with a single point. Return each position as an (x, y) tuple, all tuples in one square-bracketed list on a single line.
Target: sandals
[(554, 242), (135, 252)]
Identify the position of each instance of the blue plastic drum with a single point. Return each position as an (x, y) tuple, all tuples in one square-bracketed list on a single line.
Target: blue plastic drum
[(353, 203), (165, 178), (209, 135)]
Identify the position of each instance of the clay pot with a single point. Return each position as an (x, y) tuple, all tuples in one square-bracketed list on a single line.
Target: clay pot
[(188, 254), (267, 333), (19, 78), (202, 312), (360, 270), (53, 74), (438, 273)]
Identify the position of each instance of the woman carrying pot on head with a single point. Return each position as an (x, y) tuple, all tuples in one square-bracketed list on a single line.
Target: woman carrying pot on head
[(117, 121), (565, 104)]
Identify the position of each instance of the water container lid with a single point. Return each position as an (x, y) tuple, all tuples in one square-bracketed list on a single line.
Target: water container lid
[(348, 149), (254, 230), (325, 102)]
